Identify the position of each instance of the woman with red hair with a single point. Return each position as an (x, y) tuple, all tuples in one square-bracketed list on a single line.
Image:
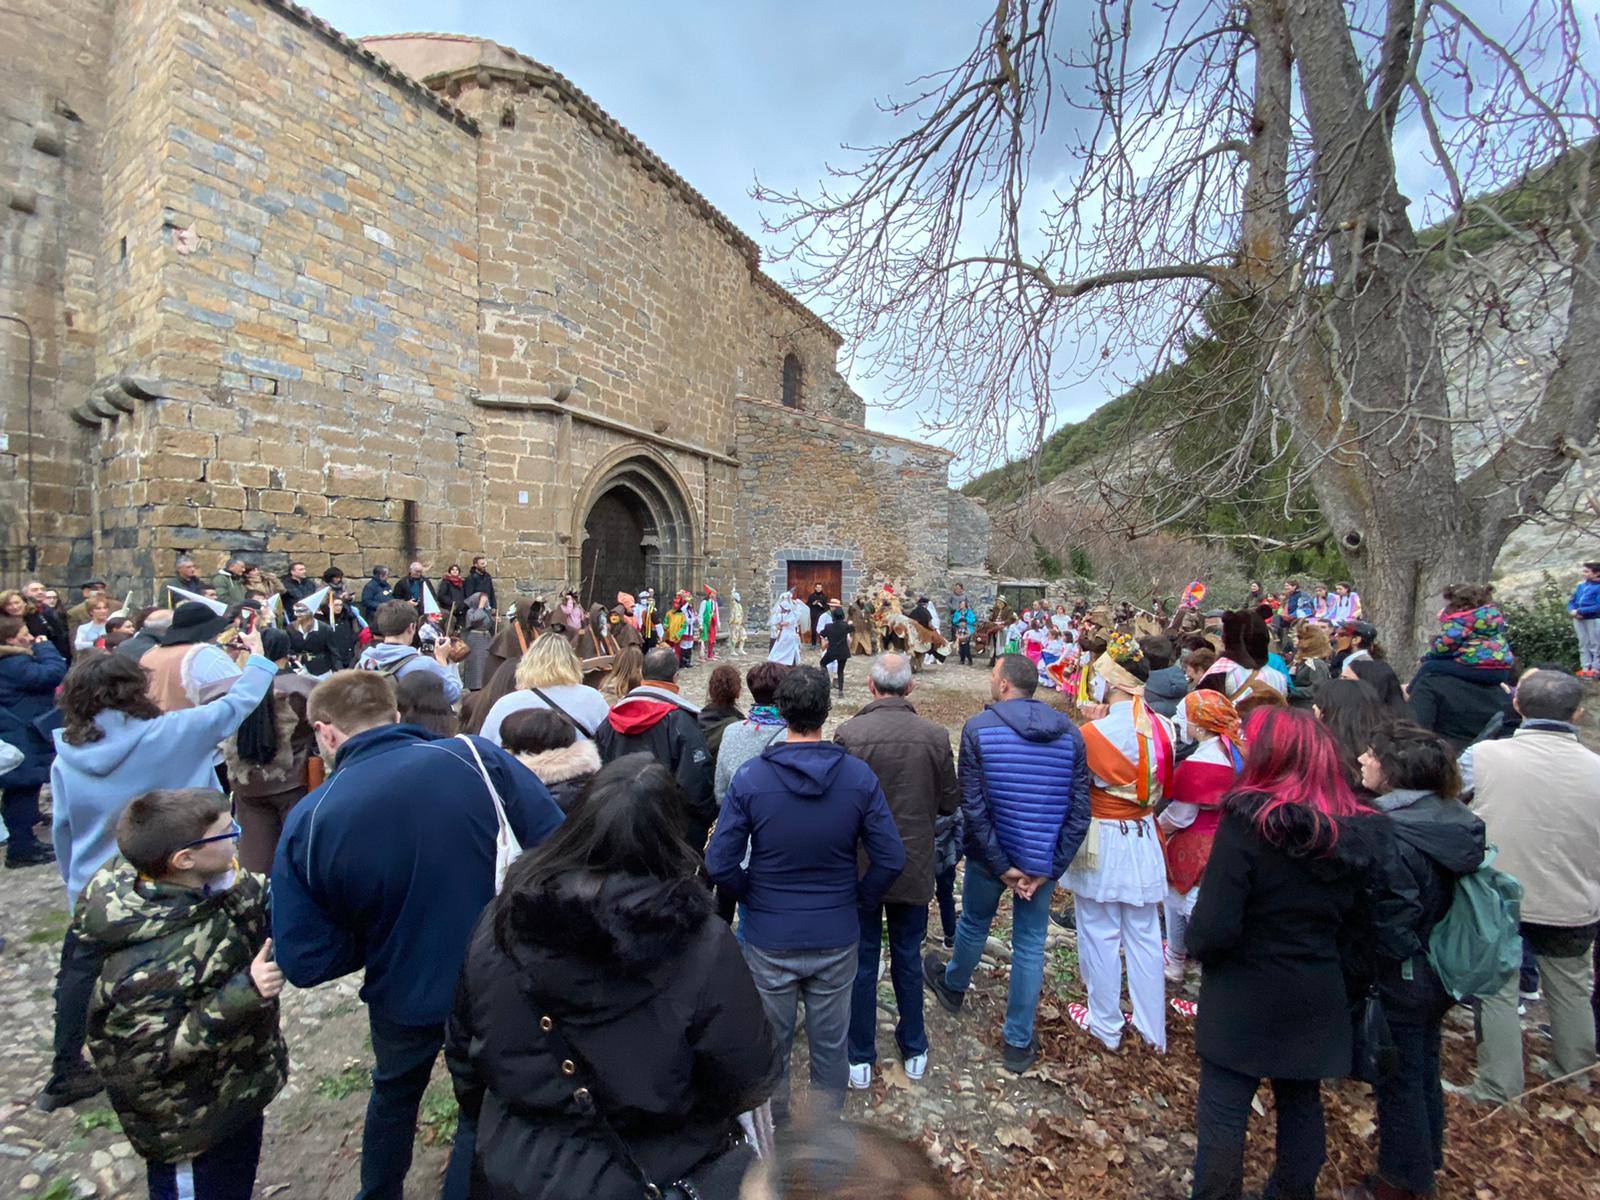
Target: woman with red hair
[(1282, 893)]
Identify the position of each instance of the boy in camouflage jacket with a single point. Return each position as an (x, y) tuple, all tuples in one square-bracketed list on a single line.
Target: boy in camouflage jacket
[(183, 1025)]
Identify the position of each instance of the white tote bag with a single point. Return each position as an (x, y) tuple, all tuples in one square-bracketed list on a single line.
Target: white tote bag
[(506, 846)]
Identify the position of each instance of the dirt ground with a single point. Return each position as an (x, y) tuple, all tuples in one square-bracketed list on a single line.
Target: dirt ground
[(1082, 1122)]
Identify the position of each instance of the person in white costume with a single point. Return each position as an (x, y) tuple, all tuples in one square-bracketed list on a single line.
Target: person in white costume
[(789, 620)]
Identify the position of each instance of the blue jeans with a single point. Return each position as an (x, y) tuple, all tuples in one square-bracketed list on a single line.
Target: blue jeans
[(1030, 921), (908, 925), (227, 1171), (404, 1056)]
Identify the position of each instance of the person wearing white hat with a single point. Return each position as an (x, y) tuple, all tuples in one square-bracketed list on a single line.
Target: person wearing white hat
[(736, 630)]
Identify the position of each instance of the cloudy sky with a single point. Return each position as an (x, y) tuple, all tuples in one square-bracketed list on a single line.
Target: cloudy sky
[(726, 90)]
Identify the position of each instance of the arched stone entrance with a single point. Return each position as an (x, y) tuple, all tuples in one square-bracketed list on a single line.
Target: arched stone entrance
[(637, 530)]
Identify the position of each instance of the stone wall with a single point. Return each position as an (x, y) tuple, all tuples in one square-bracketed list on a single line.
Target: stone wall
[(814, 488), (52, 118), (306, 294), (969, 530)]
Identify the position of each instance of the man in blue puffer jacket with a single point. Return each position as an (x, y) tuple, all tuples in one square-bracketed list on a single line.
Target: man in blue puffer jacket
[(1025, 802)]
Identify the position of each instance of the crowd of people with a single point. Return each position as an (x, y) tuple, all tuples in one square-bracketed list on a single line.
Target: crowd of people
[(610, 907)]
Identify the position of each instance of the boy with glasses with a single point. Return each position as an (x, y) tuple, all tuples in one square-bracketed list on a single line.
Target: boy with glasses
[(183, 1025)]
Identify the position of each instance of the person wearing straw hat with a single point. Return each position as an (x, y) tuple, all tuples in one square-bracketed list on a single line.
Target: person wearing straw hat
[(189, 661)]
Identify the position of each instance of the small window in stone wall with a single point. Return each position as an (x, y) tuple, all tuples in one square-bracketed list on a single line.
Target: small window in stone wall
[(791, 381)]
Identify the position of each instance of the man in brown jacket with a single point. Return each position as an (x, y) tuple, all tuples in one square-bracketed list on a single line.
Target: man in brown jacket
[(912, 758)]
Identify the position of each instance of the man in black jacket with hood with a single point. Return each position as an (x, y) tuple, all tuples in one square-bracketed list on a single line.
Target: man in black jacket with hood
[(655, 719)]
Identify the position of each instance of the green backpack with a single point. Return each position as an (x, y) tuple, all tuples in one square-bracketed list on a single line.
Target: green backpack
[(1477, 947)]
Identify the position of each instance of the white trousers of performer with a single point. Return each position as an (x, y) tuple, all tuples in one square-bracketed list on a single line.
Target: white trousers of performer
[(1118, 903), (1134, 930)]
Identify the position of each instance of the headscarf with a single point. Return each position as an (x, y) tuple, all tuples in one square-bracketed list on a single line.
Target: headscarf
[(1214, 713)]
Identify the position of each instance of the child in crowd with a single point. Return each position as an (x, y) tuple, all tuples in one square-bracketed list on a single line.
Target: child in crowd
[(1472, 629), (1033, 641), (1014, 634), (964, 641), (1585, 610), (1054, 649), (183, 1025)]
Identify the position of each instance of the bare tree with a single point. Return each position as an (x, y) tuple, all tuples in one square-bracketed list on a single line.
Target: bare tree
[(1210, 189)]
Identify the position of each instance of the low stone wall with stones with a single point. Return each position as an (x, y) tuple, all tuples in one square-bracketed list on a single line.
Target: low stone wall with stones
[(811, 488)]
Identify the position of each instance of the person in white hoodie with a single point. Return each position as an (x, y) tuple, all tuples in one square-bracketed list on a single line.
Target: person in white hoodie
[(116, 744)]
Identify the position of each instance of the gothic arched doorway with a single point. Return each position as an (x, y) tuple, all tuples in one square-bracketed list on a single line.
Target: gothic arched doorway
[(637, 532)]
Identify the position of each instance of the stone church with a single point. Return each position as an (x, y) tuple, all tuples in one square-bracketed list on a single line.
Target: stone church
[(289, 294)]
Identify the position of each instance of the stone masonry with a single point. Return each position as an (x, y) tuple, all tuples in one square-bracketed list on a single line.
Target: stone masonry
[(312, 299)]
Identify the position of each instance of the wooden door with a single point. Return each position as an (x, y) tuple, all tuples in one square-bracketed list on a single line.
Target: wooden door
[(803, 576)]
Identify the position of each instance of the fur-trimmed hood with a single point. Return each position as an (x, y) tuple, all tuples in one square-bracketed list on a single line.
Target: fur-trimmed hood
[(634, 926), (579, 760)]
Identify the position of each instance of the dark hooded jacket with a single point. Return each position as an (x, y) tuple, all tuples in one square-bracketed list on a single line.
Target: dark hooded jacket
[(662, 724), (1436, 841), (28, 682), (637, 976), (1276, 920), (189, 1050), (804, 808), (1024, 781), (1456, 707), (481, 581), (373, 594)]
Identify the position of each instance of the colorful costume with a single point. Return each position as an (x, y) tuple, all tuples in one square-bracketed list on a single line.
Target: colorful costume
[(1120, 876), (1190, 821), (1474, 637), (708, 622)]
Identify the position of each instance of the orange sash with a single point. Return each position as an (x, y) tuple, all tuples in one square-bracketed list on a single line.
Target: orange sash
[(1106, 762)]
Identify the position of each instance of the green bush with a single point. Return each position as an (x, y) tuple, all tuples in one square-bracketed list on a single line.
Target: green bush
[(1540, 630)]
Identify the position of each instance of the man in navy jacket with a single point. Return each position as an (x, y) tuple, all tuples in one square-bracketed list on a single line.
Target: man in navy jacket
[(1025, 801), (387, 867), (803, 808)]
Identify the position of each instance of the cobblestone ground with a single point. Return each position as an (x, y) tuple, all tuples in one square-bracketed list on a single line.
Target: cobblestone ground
[(313, 1140), (1081, 1122)]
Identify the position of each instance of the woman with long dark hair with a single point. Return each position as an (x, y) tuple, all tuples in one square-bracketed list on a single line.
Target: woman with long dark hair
[(268, 758), (1351, 711), (606, 1033), (1413, 774), (1282, 893), (1385, 684)]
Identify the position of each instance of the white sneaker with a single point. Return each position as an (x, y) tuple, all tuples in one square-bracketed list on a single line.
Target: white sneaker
[(1174, 970), (916, 1066), (860, 1076)]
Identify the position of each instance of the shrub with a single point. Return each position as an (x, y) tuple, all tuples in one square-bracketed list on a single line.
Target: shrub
[(1540, 628)]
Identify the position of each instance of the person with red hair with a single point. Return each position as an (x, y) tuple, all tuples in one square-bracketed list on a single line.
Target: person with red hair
[(1282, 893)]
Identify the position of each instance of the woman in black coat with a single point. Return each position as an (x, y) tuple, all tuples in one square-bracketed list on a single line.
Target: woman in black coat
[(599, 990), (1413, 774), (1282, 893)]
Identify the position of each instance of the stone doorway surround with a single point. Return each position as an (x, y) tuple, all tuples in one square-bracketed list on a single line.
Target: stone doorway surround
[(635, 491)]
